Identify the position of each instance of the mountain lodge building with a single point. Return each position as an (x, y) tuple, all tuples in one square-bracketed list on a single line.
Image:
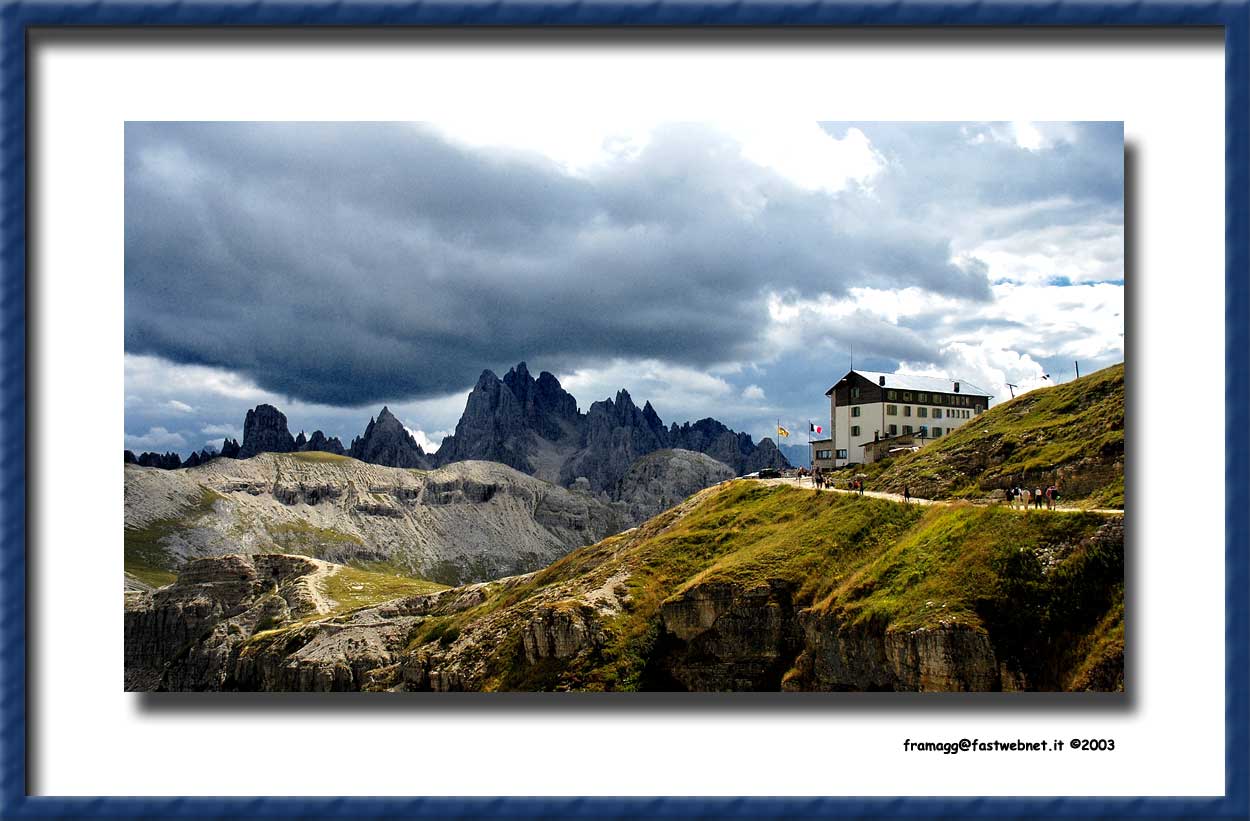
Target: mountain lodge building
[(872, 413)]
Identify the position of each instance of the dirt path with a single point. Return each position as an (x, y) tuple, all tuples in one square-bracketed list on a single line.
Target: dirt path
[(314, 581), (898, 497)]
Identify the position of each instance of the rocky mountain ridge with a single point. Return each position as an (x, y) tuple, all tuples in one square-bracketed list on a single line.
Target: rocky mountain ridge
[(464, 522), (530, 424), (666, 606), (534, 425)]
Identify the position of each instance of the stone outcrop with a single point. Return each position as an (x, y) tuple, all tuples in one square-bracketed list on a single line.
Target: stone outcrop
[(186, 636), (722, 636), (494, 426), (465, 522), (734, 449), (663, 478), (320, 442), (387, 442), (265, 431)]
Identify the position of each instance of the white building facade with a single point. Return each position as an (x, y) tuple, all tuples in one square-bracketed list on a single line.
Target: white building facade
[(867, 407)]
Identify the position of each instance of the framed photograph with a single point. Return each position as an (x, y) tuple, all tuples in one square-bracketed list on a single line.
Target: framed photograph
[(774, 410)]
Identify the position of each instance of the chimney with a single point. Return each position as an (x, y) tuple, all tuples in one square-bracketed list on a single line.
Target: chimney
[(956, 387), (881, 381)]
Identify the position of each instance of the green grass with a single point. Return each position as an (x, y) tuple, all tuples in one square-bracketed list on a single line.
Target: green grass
[(146, 556), (352, 588), (318, 456), (897, 566), (1072, 434)]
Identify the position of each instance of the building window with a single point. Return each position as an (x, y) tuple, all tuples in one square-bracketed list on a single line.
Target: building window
[(937, 399), (937, 432), (854, 393), (894, 430), (907, 410), (854, 430), (891, 410), (937, 413), (979, 409), (923, 413), (824, 454), (906, 429), (907, 397), (842, 454), (855, 411), (891, 394), (924, 431), (924, 397)]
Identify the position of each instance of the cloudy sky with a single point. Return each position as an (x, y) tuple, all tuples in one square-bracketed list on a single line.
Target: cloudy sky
[(719, 270)]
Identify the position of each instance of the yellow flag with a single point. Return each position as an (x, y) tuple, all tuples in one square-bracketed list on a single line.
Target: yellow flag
[(782, 431)]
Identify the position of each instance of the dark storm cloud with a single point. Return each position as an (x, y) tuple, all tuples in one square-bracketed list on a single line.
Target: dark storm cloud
[(345, 264)]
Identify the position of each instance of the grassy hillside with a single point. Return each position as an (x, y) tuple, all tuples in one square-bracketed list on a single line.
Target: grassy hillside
[(1047, 588), (1071, 434)]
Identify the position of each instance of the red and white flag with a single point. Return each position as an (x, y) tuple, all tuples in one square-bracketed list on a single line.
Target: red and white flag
[(814, 428)]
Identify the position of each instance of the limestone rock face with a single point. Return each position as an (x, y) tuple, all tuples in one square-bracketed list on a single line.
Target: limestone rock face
[(493, 426), (950, 657), (765, 455), (534, 426), (387, 442), (186, 636), (265, 431), (615, 434), (661, 479), (466, 522), (546, 408), (724, 637), (737, 450)]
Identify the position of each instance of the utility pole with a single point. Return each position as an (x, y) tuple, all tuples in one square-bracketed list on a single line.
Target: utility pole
[(1077, 365), (1013, 389)]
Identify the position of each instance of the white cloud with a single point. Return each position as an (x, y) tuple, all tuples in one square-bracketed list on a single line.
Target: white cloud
[(803, 153), (669, 388), (222, 432), (179, 407), (988, 368), (753, 392), (1030, 136), (155, 438), (152, 376), (1090, 252), (429, 443)]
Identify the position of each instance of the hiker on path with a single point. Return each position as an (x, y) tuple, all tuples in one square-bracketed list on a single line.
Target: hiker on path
[(906, 495), (1037, 498), (1026, 496)]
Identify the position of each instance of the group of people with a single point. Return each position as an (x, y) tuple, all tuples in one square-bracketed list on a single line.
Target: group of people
[(1025, 498)]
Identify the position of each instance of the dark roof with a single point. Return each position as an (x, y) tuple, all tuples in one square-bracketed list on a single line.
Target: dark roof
[(911, 382)]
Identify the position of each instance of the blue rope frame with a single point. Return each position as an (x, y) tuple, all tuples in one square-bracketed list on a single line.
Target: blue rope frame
[(17, 18)]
